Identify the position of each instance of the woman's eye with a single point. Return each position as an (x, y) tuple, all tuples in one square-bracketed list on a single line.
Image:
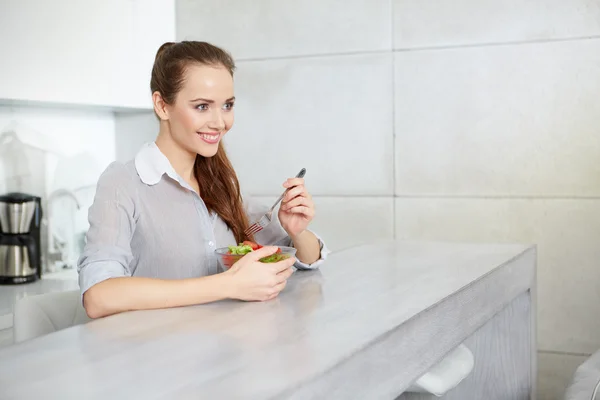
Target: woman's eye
[(228, 106), (202, 107)]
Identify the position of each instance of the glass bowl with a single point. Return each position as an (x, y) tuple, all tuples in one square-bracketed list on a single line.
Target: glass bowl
[(226, 260)]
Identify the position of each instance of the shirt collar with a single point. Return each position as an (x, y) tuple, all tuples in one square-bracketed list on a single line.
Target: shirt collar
[(151, 164)]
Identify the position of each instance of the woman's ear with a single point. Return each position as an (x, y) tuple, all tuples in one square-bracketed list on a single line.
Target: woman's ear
[(160, 107)]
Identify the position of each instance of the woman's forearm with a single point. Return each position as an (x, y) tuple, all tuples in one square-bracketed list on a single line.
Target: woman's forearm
[(117, 295), (307, 246)]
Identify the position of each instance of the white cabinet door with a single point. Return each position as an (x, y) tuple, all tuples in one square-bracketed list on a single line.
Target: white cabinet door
[(153, 25), (81, 51)]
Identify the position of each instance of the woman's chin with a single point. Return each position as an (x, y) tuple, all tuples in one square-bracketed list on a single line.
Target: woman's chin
[(207, 150)]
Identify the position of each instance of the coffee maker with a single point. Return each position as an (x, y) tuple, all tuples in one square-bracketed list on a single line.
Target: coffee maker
[(20, 247)]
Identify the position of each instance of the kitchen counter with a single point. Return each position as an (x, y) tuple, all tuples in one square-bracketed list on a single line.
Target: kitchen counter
[(365, 326)]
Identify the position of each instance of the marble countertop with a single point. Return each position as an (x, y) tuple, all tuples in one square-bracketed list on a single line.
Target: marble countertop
[(53, 282), (359, 312)]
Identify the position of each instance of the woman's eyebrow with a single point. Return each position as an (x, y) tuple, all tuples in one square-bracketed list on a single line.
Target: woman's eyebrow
[(211, 101)]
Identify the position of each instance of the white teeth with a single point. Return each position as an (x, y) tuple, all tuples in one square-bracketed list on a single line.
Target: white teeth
[(210, 138)]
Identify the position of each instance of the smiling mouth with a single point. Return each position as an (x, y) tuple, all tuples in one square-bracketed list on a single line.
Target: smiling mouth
[(209, 137)]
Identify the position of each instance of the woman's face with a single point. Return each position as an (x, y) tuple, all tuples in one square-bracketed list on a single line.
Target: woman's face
[(203, 109)]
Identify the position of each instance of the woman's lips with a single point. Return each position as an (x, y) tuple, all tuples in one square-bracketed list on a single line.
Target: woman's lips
[(210, 138)]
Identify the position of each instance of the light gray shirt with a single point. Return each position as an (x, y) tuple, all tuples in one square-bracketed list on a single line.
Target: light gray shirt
[(147, 221)]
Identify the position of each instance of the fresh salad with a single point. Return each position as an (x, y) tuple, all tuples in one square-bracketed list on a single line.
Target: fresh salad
[(248, 246)]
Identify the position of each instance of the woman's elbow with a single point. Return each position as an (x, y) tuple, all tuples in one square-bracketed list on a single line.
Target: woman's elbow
[(94, 304)]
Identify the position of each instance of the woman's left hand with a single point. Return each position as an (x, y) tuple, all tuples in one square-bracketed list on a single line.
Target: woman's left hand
[(297, 208)]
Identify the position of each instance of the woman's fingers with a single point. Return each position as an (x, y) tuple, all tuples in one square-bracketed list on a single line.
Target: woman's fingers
[(308, 212), (281, 266), (284, 275), (291, 182), (276, 290), (295, 192), (298, 201), (280, 286)]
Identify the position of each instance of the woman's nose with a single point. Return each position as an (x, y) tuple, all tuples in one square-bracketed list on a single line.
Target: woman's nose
[(217, 121)]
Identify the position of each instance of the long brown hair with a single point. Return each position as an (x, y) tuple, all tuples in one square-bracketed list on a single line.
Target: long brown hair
[(219, 185)]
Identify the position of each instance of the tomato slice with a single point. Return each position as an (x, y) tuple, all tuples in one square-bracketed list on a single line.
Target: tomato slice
[(228, 261)]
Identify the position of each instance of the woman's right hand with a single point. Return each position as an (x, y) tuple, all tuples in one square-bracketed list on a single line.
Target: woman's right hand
[(256, 281)]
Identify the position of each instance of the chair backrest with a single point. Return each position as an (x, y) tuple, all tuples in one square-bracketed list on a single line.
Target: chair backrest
[(46, 313), (446, 374)]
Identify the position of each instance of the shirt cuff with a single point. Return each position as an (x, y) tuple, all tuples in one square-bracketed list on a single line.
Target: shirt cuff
[(94, 273), (324, 253)]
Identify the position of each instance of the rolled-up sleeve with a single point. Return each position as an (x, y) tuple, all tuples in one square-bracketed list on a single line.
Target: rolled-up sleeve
[(322, 257), (274, 234), (107, 253)]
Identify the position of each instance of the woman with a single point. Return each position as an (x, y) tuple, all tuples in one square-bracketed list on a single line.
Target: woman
[(156, 220)]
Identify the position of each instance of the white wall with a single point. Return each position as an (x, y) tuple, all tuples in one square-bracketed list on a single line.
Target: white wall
[(299, 102), (449, 120), (497, 140), (132, 131), (69, 133)]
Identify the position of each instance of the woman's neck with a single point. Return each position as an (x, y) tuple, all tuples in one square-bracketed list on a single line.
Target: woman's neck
[(181, 159)]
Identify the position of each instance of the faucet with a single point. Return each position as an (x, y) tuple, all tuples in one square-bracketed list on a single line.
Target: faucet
[(56, 246), (63, 192)]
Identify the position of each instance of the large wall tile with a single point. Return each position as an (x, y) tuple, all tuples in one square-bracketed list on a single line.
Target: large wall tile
[(555, 372), (274, 28), (350, 221), (420, 23), (332, 115), (504, 120), (567, 233)]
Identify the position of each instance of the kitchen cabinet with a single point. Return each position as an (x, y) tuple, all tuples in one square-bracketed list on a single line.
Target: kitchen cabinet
[(82, 53)]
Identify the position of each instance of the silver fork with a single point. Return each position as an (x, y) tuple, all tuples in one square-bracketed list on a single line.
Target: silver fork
[(266, 219)]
